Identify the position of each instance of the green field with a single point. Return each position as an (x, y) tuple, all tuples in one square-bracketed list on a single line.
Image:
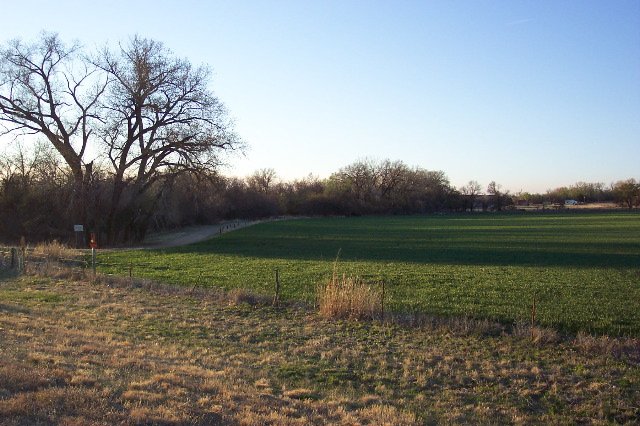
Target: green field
[(583, 269)]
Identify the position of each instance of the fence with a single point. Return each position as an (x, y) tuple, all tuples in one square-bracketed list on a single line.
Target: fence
[(23, 259)]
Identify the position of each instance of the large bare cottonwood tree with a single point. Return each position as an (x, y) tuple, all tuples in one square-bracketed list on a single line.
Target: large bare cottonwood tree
[(149, 114), (161, 120), (47, 88)]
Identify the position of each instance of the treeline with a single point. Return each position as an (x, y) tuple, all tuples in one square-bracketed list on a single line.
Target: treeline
[(625, 193), (36, 197), (36, 193)]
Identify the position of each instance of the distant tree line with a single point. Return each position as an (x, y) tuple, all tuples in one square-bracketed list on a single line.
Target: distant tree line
[(626, 193), (36, 189)]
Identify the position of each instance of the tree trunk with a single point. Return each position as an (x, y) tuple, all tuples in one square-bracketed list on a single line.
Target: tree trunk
[(78, 204), (118, 188)]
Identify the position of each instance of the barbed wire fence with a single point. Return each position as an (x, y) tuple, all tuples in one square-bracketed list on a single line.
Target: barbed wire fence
[(26, 260), (84, 265)]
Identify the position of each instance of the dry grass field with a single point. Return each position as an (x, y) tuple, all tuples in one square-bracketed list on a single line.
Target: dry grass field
[(113, 351)]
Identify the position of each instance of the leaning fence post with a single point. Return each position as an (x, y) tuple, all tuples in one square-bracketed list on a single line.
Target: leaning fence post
[(23, 250), (199, 281), (382, 301), (276, 297), (533, 317), (14, 257)]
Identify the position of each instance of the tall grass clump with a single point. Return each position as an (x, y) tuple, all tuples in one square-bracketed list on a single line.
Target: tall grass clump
[(55, 251), (349, 297)]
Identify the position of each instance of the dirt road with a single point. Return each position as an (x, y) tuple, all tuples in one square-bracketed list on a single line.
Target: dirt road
[(194, 234)]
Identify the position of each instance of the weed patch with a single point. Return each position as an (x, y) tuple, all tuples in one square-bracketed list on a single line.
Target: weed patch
[(55, 251)]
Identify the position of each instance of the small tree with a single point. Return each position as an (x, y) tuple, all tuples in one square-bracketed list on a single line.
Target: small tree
[(34, 193), (262, 180), (500, 199), (470, 192), (627, 192)]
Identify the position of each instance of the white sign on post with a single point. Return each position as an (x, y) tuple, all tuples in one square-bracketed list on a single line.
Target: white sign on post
[(78, 228)]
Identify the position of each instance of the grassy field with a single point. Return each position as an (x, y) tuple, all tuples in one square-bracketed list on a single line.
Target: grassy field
[(583, 269), (75, 352)]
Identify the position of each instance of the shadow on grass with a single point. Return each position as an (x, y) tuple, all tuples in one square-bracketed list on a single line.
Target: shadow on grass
[(6, 274), (621, 255)]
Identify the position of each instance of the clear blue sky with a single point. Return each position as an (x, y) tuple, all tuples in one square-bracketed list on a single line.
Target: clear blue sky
[(531, 94)]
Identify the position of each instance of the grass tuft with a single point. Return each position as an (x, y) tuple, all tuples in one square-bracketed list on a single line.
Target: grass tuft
[(461, 326), (301, 393), (537, 335), (349, 297), (239, 296), (387, 415), (619, 348)]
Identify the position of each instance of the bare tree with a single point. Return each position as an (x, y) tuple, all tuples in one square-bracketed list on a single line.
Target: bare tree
[(499, 198), (161, 120), (390, 177), (262, 180), (46, 88), (34, 192), (152, 112), (471, 191), (627, 192), (361, 179)]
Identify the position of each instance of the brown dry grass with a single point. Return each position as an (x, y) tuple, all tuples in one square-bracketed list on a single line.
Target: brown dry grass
[(349, 297), (124, 352), (55, 251)]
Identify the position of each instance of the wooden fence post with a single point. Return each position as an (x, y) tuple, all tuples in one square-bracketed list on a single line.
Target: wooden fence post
[(23, 252), (93, 261), (533, 317), (382, 301), (276, 297)]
